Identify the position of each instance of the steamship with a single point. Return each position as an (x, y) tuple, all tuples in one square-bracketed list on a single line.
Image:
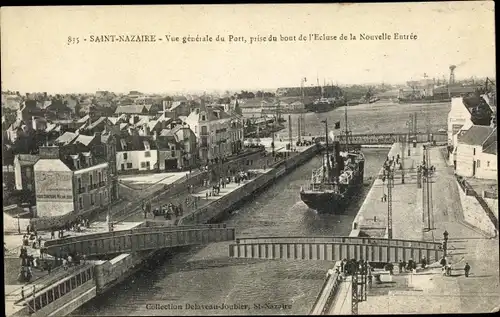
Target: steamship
[(336, 181)]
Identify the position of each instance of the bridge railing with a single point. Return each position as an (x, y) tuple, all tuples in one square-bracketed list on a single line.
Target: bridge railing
[(328, 292), (50, 294), (141, 240), (390, 138), (347, 240)]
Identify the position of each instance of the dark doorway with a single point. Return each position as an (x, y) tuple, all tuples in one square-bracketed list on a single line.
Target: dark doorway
[(170, 164)]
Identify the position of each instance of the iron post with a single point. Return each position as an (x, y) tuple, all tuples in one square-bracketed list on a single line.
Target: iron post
[(390, 184)]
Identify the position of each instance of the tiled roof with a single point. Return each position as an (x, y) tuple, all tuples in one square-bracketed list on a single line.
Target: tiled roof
[(97, 122), (84, 119), (476, 135), (83, 139), (66, 138), (114, 120), (166, 132), (135, 143), (491, 149), (131, 109)]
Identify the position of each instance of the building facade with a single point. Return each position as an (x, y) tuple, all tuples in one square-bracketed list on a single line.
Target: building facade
[(219, 134), (476, 153), (25, 176), (136, 153), (69, 181)]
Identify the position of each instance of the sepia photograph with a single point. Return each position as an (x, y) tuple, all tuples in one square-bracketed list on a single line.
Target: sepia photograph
[(250, 159)]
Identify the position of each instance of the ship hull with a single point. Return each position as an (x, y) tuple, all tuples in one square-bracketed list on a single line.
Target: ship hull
[(322, 202)]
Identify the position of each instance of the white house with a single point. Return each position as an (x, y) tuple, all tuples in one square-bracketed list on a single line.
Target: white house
[(219, 134), (136, 153), (476, 153), (459, 118)]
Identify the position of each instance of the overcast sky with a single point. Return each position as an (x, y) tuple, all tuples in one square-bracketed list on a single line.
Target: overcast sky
[(36, 57)]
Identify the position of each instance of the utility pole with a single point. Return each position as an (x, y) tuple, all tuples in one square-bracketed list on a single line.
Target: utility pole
[(403, 160), (409, 124), (354, 291), (299, 128), (429, 189), (390, 185), (426, 190)]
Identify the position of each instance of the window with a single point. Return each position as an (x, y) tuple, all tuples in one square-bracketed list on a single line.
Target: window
[(30, 187), (478, 163), (129, 165), (80, 184), (80, 202), (100, 178), (172, 154), (90, 183), (143, 164), (203, 118), (147, 154), (148, 165), (125, 156), (146, 146), (92, 199)]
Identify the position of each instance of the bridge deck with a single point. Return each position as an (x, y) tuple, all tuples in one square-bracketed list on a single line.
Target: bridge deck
[(335, 249), (139, 239)]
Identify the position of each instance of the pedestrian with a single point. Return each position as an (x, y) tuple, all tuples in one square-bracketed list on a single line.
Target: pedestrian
[(401, 265), (467, 269), (22, 292), (49, 268), (206, 194), (443, 262), (448, 270), (52, 235), (445, 235), (424, 262)]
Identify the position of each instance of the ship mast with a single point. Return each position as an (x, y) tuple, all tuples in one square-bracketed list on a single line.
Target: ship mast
[(346, 131), (326, 148)]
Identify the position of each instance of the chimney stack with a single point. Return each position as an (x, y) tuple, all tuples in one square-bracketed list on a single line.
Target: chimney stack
[(76, 162), (97, 136), (49, 152)]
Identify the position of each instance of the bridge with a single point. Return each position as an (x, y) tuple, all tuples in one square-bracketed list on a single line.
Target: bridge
[(335, 249), (383, 138), (337, 295), (139, 239)]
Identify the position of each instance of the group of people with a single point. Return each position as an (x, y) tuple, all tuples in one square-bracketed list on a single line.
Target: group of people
[(411, 266), (73, 260), (168, 211), (76, 226), (303, 143)]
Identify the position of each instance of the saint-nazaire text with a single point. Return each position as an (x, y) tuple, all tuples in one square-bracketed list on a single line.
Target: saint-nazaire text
[(122, 38)]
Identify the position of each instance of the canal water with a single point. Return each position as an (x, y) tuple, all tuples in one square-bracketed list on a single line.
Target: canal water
[(205, 275)]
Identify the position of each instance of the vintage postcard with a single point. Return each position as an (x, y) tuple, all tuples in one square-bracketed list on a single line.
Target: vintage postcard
[(250, 159)]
